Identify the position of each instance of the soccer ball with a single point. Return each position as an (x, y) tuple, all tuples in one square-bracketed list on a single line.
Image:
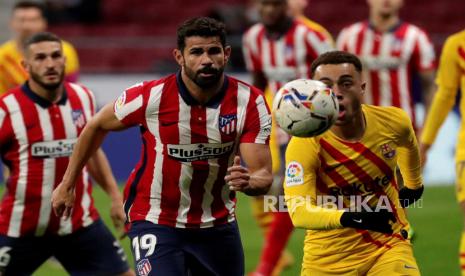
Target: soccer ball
[(305, 108)]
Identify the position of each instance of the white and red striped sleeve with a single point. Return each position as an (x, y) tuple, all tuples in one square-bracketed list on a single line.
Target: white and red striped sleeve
[(257, 127), (424, 56), (129, 107), (251, 49), (5, 131)]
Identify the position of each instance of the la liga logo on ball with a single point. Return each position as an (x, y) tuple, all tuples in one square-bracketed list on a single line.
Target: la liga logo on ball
[(305, 108)]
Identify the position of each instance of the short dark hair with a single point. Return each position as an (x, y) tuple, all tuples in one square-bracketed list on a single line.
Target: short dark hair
[(200, 26), (41, 37), (30, 4), (337, 57)]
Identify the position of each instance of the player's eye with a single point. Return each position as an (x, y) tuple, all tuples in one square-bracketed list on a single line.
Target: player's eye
[(214, 51)]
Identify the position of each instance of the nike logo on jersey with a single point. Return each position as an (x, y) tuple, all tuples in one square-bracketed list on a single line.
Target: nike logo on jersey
[(358, 220), (409, 267)]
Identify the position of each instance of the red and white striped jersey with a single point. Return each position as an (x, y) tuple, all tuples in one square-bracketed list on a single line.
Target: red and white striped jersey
[(389, 59), (285, 58), (187, 147), (36, 140)]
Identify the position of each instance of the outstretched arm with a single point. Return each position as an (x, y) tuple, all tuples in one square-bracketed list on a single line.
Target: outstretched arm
[(87, 144), (100, 170)]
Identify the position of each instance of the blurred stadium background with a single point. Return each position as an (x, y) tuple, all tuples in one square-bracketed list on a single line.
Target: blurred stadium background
[(123, 42)]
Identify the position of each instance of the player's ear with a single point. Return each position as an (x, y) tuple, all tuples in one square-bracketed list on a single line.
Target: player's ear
[(227, 53), (178, 57), (363, 86), (25, 65)]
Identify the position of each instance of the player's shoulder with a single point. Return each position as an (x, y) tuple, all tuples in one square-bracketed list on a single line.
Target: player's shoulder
[(253, 30), (355, 27), (310, 24), (148, 86), (72, 87), (387, 115), (254, 91), (456, 38), (8, 46), (414, 28)]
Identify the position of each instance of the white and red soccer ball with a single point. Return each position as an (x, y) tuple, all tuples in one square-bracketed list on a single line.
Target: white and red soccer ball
[(305, 108)]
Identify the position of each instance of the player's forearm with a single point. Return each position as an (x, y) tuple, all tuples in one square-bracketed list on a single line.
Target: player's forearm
[(87, 144), (100, 170), (307, 215), (442, 103), (410, 166), (259, 183)]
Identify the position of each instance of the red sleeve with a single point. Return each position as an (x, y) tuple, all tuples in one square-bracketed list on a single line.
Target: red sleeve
[(423, 56), (257, 126), (6, 129), (251, 52), (130, 106)]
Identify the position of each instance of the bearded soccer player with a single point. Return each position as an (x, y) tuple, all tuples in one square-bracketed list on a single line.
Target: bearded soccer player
[(39, 124), (180, 199), (28, 18), (352, 166), (393, 53), (450, 79), (277, 50)]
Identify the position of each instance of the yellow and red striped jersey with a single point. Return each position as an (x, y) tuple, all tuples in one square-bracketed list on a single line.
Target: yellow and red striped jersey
[(12, 73), (325, 167), (450, 78)]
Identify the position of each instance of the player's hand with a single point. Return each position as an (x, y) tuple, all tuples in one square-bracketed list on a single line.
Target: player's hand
[(238, 177), (117, 216), (424, 148), (63, 200), (374, 221)]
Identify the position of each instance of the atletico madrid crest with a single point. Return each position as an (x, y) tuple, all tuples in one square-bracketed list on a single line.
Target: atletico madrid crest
[(387, 151), (78, 118), (143, 267), (227, 123)]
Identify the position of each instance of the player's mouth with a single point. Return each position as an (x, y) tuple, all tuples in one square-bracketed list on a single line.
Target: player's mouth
[(342, 112)]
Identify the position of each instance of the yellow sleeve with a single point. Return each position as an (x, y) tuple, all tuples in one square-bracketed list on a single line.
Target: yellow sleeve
[(72, 60), (448, 81), (408, 157), (300, 188)]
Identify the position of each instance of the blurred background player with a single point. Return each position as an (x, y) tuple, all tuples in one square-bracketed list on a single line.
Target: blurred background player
[(278, 49), (394, 54), (28, 18), (357, 157), (450, 79), (180, 199), (39, 124)]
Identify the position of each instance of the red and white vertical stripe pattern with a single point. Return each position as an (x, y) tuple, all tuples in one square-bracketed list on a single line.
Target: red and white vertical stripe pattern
[(168, 188), (286, 58), (389, 59), (26, 208)]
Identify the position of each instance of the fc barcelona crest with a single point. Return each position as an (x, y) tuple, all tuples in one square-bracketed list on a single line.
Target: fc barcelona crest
[(387, 151), (227, 123)]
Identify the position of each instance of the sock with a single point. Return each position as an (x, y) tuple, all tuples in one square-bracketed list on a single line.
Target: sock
[(462, 254), (275, 242), (264, 219)]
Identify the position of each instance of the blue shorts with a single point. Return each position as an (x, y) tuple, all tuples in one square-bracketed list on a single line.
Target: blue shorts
[(169, 251), (89, 251)]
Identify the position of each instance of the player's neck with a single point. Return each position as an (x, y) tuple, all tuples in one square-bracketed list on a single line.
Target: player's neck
[(354, 130), (51, 95), (383, 23), (201, 95), (277, 30)]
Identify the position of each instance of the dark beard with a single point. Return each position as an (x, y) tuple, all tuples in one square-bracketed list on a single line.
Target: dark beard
[(205, 82), (48, 86)]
